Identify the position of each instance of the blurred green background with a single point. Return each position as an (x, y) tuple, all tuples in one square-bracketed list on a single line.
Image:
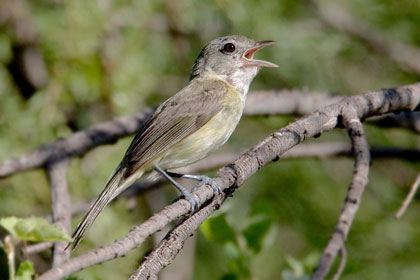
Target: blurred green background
[(88, 61)]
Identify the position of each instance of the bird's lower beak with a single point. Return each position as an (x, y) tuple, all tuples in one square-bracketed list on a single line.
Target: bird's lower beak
[(248, 56)]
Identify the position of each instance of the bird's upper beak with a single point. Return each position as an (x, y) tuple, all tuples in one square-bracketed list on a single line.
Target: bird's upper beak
[(247, 57)]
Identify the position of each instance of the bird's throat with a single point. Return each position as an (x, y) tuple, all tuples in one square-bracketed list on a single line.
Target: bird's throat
[(241, 79)]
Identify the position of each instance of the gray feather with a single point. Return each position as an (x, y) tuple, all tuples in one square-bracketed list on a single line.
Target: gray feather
[(111, 190)]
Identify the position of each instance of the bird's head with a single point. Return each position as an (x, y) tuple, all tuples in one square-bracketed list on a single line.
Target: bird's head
[(232, 58)]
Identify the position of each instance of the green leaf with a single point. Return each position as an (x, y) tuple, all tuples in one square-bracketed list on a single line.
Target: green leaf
[(255, 232), (218, 229), (33, 229), (25, 271), (238, 261), (297, 267)]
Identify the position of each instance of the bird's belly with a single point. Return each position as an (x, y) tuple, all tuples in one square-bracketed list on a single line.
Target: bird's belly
[(208, 138)]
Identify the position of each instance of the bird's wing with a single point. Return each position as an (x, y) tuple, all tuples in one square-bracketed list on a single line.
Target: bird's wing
[(178, 117)]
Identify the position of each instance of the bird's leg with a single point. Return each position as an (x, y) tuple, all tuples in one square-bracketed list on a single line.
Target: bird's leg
[(188, 196), (203, 180)]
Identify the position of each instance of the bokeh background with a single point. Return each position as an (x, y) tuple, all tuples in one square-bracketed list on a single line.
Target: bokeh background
[(66, 65)]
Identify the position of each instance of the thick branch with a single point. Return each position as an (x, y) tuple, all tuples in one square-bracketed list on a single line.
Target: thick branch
[(359, 181), (171, 245), (232, 176)]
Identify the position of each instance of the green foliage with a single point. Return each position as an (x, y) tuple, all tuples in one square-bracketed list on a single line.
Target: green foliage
[(33, 229), (238, 253), (217, 229), (256, 230), (300, 270), (28, 229), (25, 271)]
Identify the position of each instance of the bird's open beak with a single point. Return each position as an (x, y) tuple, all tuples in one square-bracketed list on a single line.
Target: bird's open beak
[(249, 54)]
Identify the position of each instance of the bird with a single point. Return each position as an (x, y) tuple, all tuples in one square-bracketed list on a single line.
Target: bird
[(189, 125)]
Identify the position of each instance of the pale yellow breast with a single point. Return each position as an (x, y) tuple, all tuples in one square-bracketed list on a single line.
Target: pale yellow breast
[(209, 137)]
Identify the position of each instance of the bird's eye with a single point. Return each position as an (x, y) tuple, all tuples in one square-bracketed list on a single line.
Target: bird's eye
[(229, 47)]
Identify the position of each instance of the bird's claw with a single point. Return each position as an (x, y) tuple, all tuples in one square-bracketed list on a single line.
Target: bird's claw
[(194, 203), (205, 180)]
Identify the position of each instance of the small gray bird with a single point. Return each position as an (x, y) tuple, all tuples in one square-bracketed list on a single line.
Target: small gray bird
[(186, 127)]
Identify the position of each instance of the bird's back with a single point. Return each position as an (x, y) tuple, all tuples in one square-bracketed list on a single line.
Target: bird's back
[(213, 133)]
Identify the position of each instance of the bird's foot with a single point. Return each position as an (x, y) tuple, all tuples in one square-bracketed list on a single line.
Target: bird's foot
[(204, 180), (191, 199), (187, 194)]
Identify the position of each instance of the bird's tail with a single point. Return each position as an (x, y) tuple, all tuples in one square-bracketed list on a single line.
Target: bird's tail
[(115, 185)]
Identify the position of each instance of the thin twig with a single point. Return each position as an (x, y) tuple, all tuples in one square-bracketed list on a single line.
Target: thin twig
[(343, 260), (409, 197), (61, 206), (360, 179), (36, 248)]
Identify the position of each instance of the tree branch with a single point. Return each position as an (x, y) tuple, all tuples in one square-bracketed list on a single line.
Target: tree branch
[(76, 144), (232, 176), (172, 244), (343, 259), (61, 206), (360, 179), (409, 197)]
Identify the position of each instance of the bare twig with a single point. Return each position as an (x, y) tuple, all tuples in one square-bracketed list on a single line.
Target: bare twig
[(360, 179), (36, 248), (406, 56), (61, 206), (409, 197), (343, 260)]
